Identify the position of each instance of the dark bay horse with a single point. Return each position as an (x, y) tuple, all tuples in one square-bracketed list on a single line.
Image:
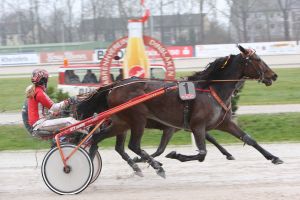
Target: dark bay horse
[(96, 102), (210, 110), (169, 131)]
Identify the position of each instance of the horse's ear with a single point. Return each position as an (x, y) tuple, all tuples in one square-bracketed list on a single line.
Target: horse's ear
[(242, 49)]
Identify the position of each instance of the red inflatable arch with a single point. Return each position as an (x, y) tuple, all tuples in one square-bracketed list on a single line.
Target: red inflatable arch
[(121, 43)]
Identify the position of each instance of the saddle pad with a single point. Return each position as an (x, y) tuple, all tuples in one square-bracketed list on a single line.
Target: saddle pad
[(187, 91)]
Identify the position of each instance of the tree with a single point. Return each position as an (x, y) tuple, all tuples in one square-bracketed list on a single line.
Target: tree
[(57, 95), (239, 15), (70, 16), (162, 4), (202, 36), (216, 34), (285, 7), (56, 24), (3, 26), (94, 5), (36, 28)]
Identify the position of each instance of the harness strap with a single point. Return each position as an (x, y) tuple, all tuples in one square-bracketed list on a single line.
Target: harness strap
[(186, 115), (218, 99), (186, 110), (202, 90)]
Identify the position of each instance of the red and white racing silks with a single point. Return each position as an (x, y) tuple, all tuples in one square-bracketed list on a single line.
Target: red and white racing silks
[(33, 104)]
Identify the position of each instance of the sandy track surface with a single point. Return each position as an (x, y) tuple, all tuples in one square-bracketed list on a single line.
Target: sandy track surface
[(250, 176)]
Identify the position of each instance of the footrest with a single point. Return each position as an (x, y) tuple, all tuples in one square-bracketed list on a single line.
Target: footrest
[(43, 134)]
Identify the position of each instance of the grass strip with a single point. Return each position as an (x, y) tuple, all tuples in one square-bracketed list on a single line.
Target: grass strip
[(264, 128)]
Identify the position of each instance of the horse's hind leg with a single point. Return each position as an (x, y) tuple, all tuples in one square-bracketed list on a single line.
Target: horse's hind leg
[(233, 129), (120, 141), (221, 149), (135, 146), (165, 139)]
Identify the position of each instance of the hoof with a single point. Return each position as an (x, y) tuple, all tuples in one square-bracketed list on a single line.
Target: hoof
[(161, 172), (277, 161), (230, 158), (138, 159), (139, 173), (172, 155), (201, 156), (201, 159), (159, 163), (137, 170)]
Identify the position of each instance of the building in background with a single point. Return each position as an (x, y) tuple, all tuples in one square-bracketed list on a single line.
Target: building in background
[(170, 29)]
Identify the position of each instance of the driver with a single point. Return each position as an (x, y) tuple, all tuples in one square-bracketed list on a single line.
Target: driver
[(38, 100)]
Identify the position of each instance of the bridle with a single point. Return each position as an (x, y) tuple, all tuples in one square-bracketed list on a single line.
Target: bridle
[(248, 58)]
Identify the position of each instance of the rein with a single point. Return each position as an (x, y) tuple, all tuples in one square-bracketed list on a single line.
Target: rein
[(83, 98), (200, 81)]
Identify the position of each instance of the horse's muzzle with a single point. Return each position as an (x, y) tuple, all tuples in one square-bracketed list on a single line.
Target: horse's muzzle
[(274, 77), (269, 81)]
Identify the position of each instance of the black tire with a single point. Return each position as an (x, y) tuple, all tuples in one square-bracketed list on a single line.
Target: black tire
[(97, 163)]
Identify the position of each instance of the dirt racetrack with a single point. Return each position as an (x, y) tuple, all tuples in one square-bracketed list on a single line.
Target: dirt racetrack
[(250, 176)]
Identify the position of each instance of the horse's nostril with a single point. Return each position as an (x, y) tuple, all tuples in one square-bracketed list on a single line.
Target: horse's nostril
[(274, 77)]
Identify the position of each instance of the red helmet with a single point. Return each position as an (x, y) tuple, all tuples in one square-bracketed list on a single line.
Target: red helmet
[(39, 77)]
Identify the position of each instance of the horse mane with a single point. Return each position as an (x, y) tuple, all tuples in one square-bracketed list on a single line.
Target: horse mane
[(89, 95), (212, 69), (93, 102)]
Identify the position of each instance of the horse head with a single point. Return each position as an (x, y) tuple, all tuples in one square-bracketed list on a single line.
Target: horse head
[(255, 67), (90, 103)]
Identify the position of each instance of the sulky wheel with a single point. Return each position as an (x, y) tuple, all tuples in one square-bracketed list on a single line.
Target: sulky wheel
[(73, 178), (97, 163)]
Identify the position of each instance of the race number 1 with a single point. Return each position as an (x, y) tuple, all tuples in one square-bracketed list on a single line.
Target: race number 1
[(187, 91)]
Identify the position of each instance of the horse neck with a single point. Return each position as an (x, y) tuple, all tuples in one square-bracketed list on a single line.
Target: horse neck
[(89, 107), (225, 89)]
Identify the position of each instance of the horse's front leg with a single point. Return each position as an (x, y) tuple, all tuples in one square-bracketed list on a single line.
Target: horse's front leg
[(98, 137), (199, 135), (212, 140), (135, 145), (233, 129), (120, 142)]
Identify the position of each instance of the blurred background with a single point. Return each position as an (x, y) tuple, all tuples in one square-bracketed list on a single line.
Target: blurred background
[(174, 22)]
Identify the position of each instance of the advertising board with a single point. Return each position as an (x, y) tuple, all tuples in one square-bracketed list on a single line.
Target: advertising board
[(19, 59), (72, 56)]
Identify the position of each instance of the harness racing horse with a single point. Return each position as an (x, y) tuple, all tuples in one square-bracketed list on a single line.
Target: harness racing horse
[(169, 131), (96, 102), (210, 110)]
